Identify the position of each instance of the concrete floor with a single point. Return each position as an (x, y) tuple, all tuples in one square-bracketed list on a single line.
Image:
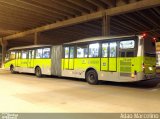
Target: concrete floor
[(26, 93)]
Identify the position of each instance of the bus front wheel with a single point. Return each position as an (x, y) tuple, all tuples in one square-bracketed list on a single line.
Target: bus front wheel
[(12, 69), (92, 77), (38, 72)]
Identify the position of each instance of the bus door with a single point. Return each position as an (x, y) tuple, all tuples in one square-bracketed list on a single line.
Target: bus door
[(31, 58), (104, 59), (71, 58), (127, 61), (112, 56), (18, 59), (68, 58), (24, 59), (127, 52)]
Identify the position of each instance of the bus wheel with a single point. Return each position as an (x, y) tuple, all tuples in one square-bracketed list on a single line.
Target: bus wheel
[(12, 69), (38, 72), (92, 77)]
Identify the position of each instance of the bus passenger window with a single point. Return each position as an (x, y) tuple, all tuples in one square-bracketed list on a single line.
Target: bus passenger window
[(122, 54), (66, 50), (127, 44), (94, 50), (19, 54), (31, 54), (12, 55), (46, 53), (105, 50), (82, 51), (24, 54), (113, 49), (71, 52), (130, 54), (39, 53), (16, 55)]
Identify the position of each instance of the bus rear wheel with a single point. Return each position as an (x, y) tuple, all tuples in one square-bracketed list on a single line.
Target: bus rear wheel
[(92, 77), (38, 72)]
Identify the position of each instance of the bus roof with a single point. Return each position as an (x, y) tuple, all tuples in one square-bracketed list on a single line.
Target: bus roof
[(78, 41), (99, 38), (28, 47)]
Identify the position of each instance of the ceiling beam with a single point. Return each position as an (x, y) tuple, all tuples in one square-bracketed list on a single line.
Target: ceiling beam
[(68, 6), (126, 1), (22, 12), (71, 5), (97, 3), (112, 11), (138, 22), (154, 24), (143, 4), (111, 3), (30, 7), (48, 9), (57, 7), (84, 4)]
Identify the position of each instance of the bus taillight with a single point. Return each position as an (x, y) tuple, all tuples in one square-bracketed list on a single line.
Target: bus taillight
[(144, 35)]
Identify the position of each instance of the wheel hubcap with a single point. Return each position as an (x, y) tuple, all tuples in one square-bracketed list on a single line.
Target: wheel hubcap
[(38, 72), (91, 77)]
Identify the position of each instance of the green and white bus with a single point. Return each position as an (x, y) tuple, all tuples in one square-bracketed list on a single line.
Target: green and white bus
[(120, 59)]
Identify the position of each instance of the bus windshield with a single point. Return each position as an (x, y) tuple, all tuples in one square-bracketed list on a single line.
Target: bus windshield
[(150, 54), (10, 56), (7, 56)]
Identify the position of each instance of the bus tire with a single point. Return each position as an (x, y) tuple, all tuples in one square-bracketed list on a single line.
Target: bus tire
[(92, 77), (12, 69), (38, 72)]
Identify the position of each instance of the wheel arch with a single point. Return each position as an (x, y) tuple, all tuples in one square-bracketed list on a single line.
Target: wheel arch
[(37, 67), (88, 69), (11, 66)]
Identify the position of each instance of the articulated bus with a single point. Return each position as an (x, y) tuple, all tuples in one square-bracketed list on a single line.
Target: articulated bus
[(120, 59)]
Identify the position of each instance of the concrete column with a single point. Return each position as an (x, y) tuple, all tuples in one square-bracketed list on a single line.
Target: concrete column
[(36, 38), (106, 25), (4, 48)]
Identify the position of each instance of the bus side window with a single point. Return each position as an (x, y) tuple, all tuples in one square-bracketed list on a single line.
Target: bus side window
[(16, 55), (46, 53), (31, 54), (130, 54), (112, 49), (66, 52), (71, 52), (122, 54), (19, 54), (24, 54), (38, 53), (105, 50), (94, 50), (82, 51)]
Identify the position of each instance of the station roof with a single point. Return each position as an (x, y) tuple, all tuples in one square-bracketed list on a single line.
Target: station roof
[(18, 17)]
